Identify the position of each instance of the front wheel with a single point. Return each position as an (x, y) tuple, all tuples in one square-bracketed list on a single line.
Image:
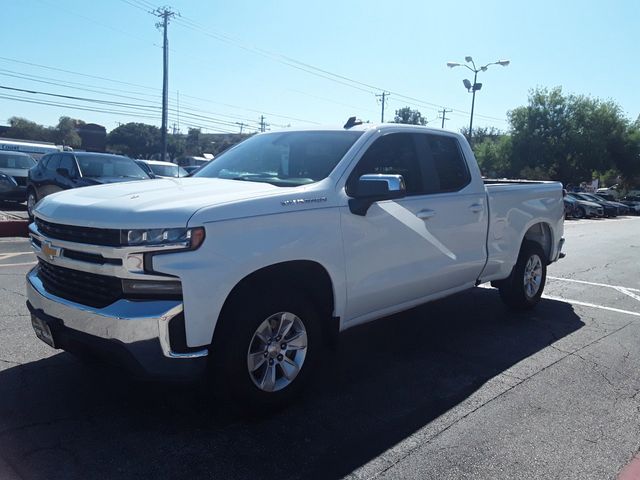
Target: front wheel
[(32, 199), (267, 348), (524, 287)]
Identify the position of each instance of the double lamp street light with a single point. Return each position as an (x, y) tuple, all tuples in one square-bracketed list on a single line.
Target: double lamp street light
[(475, 86)]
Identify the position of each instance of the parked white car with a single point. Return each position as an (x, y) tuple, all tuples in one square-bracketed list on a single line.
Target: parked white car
[(160, 169), (284, 241)]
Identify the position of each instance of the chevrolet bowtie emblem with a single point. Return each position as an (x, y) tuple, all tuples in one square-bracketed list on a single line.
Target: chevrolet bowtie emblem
[(50, 251)]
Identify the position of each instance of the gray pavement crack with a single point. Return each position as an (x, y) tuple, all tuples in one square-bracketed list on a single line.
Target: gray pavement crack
[(490, 400), (13, 292)]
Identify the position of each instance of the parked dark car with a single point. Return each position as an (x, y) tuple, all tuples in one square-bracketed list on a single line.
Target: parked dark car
[(633, 203), (569, 207), (584, 208), (61, 171), (623, 208), (610, 210), (14, 167)]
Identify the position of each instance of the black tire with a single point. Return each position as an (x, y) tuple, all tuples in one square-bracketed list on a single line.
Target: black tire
[(31, 202), (513, 291), (234, 336), (579, 213)]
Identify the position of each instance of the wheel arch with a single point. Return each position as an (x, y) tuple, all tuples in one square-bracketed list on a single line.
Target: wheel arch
[(542, 234), (307, 275)]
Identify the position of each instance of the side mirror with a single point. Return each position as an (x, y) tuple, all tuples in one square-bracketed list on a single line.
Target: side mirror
[(373, 188)]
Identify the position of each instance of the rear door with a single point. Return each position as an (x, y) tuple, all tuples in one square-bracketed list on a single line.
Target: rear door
[(459, 205)]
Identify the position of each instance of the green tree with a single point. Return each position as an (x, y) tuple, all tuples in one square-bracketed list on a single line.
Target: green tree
[(193, 144), (494, 155), (23, 129), (65, 132), (406, 115), (565, 137), (138, 140), (627, 156)]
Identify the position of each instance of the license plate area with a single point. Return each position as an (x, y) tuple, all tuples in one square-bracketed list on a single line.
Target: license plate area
[(43, 332)]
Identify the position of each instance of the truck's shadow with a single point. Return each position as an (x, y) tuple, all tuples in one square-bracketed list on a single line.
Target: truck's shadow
[(59, 419)]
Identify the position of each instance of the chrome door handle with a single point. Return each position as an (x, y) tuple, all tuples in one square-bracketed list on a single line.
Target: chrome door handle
[(426, 214), (475, 208)]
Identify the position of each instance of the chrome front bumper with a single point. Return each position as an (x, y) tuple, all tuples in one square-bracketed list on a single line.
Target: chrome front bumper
[(139, 330)]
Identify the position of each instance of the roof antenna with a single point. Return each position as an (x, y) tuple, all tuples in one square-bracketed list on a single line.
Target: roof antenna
[(352, 122)]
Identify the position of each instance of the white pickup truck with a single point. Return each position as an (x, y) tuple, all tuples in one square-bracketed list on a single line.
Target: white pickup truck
[(252, 266)]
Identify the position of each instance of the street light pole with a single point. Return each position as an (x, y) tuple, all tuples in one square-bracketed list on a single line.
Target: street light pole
[(475, 86), (473, 103)]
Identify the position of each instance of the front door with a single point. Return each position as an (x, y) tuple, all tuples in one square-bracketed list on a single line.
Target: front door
[(404, 250)]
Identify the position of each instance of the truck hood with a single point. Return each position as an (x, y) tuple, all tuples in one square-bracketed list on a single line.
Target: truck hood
[(161, 203)]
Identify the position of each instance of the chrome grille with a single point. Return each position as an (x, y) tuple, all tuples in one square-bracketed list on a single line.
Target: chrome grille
[(81, 287), (95, 236)]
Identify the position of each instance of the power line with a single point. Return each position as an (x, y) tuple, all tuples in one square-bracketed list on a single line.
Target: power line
[(149, 110), (79, 86), (95, 77), (277, 115)]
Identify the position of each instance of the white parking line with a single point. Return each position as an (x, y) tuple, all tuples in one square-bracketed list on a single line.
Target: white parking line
[(627, 292), (4, 256), (592, 305), (616, 287), (16, 264), (578, 302)]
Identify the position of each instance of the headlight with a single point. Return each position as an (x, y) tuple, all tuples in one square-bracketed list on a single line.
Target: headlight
[(190, 238), (8, 180)]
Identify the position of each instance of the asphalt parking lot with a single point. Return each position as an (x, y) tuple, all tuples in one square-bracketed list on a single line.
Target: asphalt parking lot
[(460, 388)]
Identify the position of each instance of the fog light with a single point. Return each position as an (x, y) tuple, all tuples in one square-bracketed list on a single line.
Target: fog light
[(151, 287)]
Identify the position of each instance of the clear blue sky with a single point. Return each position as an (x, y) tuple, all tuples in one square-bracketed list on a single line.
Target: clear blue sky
[(228, 60)]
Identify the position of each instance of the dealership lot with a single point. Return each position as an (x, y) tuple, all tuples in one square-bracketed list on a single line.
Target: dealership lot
[(460, 388)]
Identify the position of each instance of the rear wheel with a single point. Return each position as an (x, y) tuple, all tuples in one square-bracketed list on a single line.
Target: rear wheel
[(579, 213), (267, 348), (524, 287)]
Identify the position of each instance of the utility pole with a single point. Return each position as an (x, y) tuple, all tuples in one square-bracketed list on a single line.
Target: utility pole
[(384, 96), (242, 125), (165, 13), (444, 115), (263, 124)]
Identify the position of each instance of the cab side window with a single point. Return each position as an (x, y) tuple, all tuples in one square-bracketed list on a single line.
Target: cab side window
[(69, 163), (447, 163), (53, 163), (392, 154)]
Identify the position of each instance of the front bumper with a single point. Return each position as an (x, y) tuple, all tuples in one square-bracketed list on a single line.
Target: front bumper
[(16, 194), (133, 334)]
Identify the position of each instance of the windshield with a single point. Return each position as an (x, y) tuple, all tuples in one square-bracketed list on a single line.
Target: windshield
[(582, 196), (109, 166), (168, 170), (592, 198), (11, 160), (285, 159)]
